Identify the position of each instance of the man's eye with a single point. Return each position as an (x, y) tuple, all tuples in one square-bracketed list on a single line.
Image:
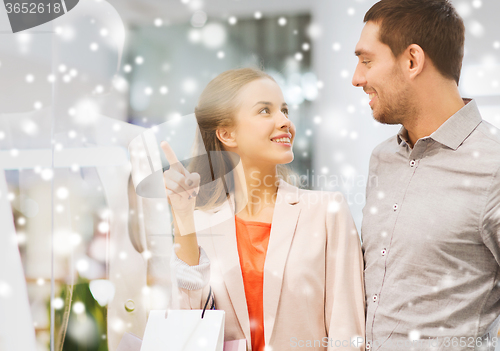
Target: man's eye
[(365, 62)]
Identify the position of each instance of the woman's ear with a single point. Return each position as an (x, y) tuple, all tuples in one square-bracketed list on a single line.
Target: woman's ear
[(227, 137), (415, 60)]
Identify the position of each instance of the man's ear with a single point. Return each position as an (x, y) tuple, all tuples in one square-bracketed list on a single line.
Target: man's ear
[(414, 57), (227, 137)]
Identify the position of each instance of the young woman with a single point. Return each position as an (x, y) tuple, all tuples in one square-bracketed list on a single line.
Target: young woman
[(284, 264)]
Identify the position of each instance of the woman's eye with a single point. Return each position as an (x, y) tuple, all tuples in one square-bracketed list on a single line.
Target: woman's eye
[(365, 62), (285, 111), (265, 110)]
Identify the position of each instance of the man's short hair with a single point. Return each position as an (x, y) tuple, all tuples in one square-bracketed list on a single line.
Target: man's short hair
[(434, 25)]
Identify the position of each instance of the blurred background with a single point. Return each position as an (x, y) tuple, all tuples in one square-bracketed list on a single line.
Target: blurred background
[(173, 51), (93, 253)]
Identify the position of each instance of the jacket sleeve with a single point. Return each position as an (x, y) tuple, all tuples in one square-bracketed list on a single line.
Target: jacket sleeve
[(191, 282), (345, 296)]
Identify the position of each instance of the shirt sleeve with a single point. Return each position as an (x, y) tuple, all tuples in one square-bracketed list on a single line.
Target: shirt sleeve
[(345, 296), (491, 219), (191, 286), (191, 277)]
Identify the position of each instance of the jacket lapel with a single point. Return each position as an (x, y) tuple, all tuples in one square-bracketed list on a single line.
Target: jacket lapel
[(223, 229), (285, 217)]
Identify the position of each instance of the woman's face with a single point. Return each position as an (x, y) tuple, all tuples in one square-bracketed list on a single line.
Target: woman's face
[(263, 134)]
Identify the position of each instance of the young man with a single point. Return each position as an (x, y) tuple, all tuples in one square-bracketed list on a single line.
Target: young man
[(431, 227)]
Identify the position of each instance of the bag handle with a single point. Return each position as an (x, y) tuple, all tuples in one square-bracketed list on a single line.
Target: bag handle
[(212, 306)]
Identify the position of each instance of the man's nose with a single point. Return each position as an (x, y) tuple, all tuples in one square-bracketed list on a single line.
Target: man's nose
[(358, 79)]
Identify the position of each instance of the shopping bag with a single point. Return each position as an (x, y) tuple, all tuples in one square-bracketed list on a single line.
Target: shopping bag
[(129, 342), (184, 330), (236, 345)]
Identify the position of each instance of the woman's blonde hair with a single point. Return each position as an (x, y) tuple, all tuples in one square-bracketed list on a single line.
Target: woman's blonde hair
[(217, 107)]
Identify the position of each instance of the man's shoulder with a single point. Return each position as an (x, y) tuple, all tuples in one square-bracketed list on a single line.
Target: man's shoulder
[(490, 135), (389, 145)]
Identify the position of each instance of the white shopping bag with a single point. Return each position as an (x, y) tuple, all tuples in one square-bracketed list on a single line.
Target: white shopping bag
[(129, 342), (184, 330), (236, 345)]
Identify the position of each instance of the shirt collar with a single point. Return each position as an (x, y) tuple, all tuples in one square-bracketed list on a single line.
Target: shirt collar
[(402, 136), (453, 132)]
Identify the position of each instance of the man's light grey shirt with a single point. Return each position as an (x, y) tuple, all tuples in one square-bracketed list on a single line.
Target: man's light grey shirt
[(431, 237)]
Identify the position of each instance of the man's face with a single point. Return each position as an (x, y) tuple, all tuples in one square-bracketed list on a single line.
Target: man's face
[(380, 75)]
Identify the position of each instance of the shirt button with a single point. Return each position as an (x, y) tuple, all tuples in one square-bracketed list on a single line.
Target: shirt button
[(413, 163), (368, 345), (375, 298), (383, 252), (395, 207)]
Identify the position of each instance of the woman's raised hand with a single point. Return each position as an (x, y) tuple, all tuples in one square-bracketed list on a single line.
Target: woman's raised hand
[(181, 186)]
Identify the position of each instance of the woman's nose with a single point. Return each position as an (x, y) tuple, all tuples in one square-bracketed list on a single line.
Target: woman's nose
[(284, 121)]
